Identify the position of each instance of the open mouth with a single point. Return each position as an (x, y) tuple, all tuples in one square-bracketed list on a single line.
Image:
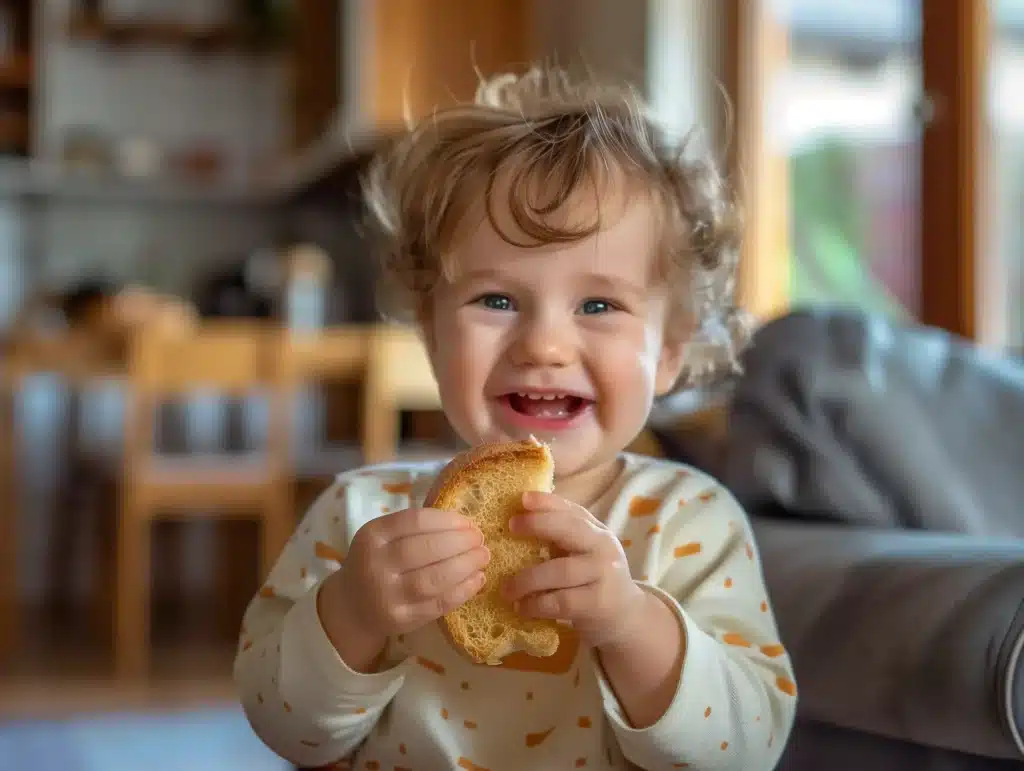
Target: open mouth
[(547, 406)]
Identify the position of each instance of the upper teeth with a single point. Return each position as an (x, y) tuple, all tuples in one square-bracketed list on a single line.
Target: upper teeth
[(545, 397)]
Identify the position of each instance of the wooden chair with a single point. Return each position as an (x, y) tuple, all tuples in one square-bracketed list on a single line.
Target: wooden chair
[(398, 377), (310, 359), (230, 359), (392, 366)]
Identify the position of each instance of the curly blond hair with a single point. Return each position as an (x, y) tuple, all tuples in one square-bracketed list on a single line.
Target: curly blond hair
[(546, 137)]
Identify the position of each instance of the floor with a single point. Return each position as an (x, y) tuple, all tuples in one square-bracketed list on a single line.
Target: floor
[(60, 710), (199, 739)]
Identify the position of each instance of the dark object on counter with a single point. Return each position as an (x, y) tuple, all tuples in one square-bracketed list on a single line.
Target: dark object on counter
[(227, 295), (86, 300)]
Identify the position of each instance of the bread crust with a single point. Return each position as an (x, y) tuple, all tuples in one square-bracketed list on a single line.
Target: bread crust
[(486, 628)]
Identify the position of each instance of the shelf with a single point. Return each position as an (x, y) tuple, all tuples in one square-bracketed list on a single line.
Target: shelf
[(157, 33), (37, 179), (326, 159)]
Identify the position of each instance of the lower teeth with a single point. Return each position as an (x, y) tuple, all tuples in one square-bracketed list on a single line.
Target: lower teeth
[(546, 409)]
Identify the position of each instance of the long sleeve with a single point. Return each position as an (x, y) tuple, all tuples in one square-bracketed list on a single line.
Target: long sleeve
[(300, 697), (736, 699)]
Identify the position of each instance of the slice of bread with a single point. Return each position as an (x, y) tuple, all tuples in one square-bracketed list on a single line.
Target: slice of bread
[(487, 484)]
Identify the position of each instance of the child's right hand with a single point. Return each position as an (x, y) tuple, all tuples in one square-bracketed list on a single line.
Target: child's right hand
[(403, 570)]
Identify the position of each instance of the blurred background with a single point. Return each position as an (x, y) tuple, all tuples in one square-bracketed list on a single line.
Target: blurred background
[(180, 228)]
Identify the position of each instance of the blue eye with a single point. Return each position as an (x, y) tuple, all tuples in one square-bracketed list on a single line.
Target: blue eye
[(495, 302), (592, 307)]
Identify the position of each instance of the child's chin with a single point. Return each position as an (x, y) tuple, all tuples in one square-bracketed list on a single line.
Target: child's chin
[(572, 458)]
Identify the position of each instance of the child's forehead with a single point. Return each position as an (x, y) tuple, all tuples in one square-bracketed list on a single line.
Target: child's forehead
[(626, 240)]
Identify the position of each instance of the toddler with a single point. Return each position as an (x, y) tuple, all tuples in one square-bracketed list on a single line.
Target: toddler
[(566, 264)]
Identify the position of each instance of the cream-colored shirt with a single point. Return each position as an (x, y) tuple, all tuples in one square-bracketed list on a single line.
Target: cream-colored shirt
[(431, 708)]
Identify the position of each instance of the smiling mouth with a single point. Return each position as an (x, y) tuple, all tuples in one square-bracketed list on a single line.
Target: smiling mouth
[(547, 406)]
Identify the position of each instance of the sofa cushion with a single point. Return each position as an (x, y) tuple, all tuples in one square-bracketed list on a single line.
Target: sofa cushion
[(845, 416), (815, 746)]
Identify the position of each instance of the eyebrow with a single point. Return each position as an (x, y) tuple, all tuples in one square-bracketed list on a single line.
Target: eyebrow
[(477, 275), (603, 282), (615, 284)]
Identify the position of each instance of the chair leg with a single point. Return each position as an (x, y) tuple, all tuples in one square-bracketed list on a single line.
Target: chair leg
[(132, 595), (105, 546), (380, 429)]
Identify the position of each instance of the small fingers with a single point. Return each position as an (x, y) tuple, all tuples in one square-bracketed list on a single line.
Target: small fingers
[(561, 573), (561, 604), (572, 534), (409, 522), (416, 551), (437, 578), (535, 500), (434, 608)]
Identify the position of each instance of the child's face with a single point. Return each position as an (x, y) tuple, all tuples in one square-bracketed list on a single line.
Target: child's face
[(566, 342)]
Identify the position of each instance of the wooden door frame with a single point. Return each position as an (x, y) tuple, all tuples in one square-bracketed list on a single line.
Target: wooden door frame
[(954, 52)]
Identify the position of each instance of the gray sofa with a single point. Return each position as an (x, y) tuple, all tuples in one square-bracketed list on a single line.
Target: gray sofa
[(884, 470)]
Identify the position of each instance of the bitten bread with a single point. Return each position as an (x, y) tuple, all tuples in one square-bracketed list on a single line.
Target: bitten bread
[(487, 484)]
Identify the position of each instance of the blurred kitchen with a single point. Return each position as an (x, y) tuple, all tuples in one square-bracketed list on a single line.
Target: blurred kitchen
[(190, 343), (181, 257)]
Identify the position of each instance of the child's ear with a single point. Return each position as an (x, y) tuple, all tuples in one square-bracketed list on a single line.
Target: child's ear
[(670, 362)]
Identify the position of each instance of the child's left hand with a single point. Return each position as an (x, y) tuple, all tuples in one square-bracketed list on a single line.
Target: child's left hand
[(587, 584)]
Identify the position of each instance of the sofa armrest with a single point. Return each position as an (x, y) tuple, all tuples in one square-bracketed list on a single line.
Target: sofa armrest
[(912, 635)]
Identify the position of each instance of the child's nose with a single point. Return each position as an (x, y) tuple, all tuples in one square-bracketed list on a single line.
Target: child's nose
[(545, 343)]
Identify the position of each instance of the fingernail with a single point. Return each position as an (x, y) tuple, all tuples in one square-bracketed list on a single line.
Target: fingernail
[(486, 553), (515, 523)]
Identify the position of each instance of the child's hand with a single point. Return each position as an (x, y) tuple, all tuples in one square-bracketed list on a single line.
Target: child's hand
[(588, 585), (404, 570)]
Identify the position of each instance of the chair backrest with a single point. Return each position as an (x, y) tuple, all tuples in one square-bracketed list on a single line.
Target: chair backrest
[(231, 358), (398, 377), (337, 354), (399, 371), (74, 354)]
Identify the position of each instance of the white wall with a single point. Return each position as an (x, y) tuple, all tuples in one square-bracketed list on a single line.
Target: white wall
[(12, 248)]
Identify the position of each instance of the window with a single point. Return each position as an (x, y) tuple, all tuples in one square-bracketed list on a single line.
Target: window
[(844, 106), (868, 133)]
